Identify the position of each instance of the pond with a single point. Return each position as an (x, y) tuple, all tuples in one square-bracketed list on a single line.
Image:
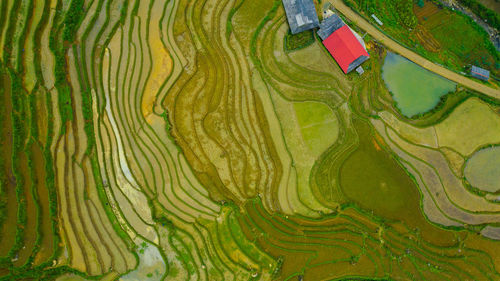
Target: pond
[(482, 170), (415, 89)]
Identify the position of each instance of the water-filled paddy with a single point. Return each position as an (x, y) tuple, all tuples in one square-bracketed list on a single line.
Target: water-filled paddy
[(151, 265), (373, 179), (482, 170), (415, 89)]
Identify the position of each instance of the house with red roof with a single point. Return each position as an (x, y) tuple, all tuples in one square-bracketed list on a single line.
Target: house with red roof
[(345, 46)]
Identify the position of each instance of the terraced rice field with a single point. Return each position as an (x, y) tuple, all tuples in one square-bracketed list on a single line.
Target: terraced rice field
[(482, 169), (181, 140)]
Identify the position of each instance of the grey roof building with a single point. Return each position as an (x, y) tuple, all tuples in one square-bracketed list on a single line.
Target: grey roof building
[(329, 25), (480, 73), (301, 15)]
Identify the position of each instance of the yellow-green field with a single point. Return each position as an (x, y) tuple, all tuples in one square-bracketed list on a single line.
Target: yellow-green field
[(318, 125), (475, 121)]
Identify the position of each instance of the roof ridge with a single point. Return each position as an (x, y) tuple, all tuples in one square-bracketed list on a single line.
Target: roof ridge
[(345, 42)]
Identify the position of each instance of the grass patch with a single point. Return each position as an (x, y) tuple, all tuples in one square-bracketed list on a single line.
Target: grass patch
[(462, 40)]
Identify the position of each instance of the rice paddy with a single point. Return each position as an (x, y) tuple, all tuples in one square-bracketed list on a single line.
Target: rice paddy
[(482, 169), (183, 140)]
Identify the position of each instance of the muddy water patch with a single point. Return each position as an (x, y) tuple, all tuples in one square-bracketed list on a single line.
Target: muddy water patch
[(151, 265)]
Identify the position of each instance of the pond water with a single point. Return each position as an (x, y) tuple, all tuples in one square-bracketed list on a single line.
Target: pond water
[(482, 170), (415, 89)]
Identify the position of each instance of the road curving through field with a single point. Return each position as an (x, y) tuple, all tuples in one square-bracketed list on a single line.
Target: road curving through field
[(396, 47)]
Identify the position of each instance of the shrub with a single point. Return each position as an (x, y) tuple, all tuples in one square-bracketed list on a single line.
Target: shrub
[(298, 41), (406, 16)]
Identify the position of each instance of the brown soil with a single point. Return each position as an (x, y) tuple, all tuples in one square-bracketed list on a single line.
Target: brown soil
[(427, 40)]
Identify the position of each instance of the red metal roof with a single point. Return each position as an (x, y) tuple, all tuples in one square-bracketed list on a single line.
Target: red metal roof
[(344, 47)]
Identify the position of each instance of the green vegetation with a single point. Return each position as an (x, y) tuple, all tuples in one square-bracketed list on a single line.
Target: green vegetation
[(19, 135), (393, 13), (479, 9), (298, 41), (72, 19), (63, 89), (473, 49), (18, 261), (270, 14), (404, 11), (437, 33), (229, 24)]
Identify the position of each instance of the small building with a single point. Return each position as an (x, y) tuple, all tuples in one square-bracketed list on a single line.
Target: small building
[(329, 25), (377, 20), (301, 15), (346, 47), (328, 9), (327, 13), (360, 70), (479, 73)]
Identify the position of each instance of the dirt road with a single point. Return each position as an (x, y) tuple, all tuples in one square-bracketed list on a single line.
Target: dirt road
[(396, 47)]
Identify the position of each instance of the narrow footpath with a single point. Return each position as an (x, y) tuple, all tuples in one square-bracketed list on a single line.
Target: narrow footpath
[(396, 47)]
